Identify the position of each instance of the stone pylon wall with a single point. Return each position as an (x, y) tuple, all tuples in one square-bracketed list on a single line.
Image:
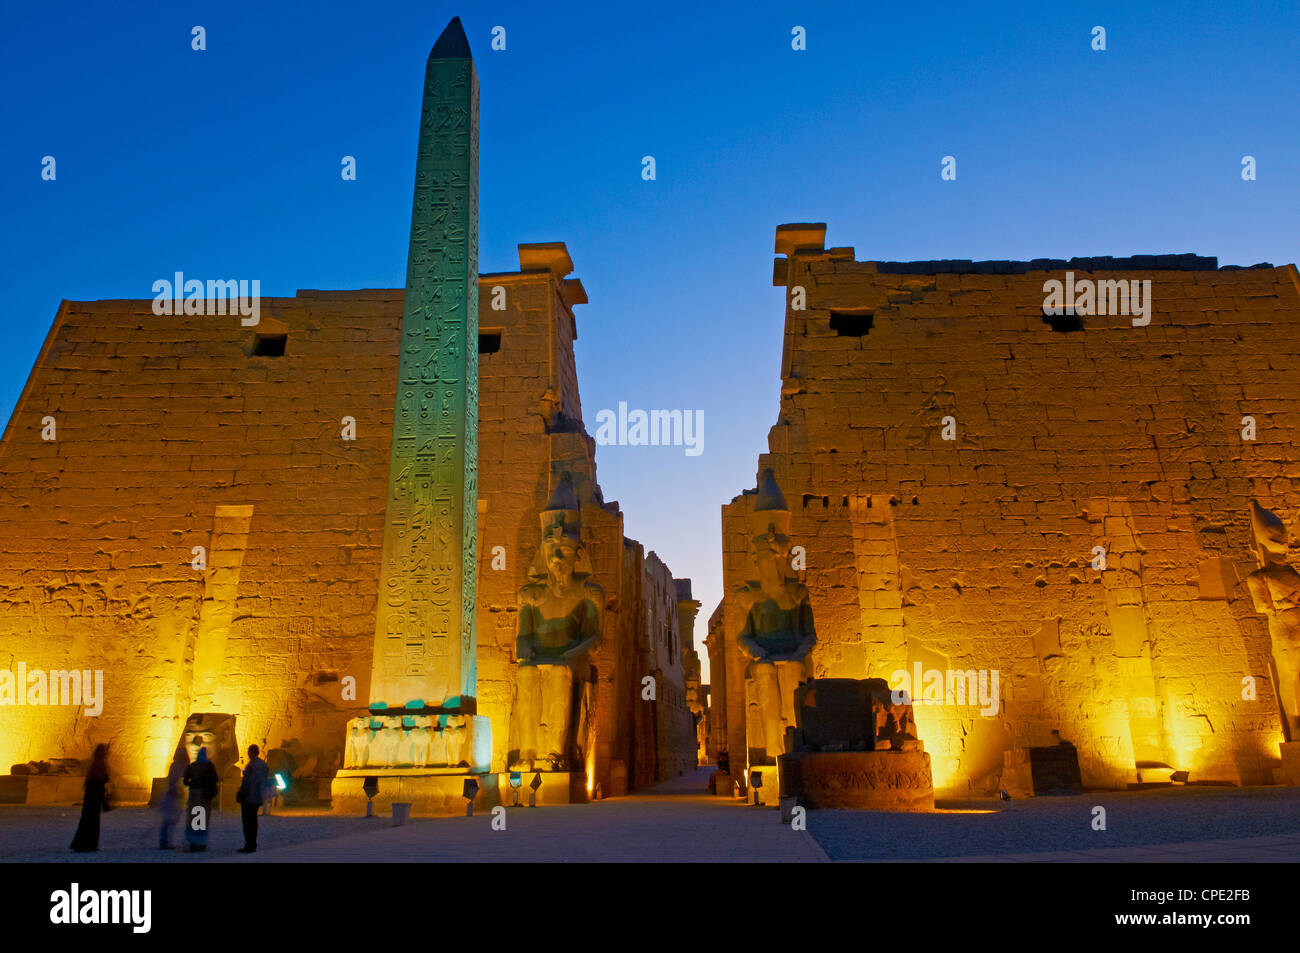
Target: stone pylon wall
[(172, 434), (977, 552)]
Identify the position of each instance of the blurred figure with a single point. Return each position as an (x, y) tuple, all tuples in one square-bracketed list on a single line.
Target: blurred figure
[(201, 779), (171, 802), (95, 801), (252, 791), (271, 797)]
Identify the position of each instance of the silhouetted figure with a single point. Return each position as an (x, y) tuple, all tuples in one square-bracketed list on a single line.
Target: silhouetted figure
[(171, 802), (252, 790), (95, 801), (201, 779)]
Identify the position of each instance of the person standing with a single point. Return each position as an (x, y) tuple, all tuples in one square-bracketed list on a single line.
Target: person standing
[(171, 801), (252, 791), (201, 779), (86, 840)]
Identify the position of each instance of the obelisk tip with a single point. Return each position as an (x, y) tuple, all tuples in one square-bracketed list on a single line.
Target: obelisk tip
[(453, 44)]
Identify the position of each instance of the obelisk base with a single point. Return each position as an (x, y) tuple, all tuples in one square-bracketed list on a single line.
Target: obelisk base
[(431, 792), (557, 787)]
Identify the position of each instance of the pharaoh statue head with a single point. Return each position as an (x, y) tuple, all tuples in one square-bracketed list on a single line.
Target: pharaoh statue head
[(561, 554), (1270, 536), (214, 731), (770, 527)]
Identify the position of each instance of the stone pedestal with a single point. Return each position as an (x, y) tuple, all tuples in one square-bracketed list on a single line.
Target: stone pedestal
[(558, 787), (860, 780), (722, 784), (1289, 772), (390, 739), (431, 792)]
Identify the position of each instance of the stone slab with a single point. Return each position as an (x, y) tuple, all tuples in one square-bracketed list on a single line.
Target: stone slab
[(859, 780)]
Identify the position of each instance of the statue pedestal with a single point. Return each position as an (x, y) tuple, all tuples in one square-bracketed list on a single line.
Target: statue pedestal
[(860, 780), (1289, 772), (431, 792), (391, 739), (558, 787), (722, 784)]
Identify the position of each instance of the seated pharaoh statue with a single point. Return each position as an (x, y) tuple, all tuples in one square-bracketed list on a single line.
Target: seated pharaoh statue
[(777, 629), (1275, 590), (561, 615)]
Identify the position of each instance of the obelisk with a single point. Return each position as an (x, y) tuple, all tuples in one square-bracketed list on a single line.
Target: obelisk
[(424, 655)]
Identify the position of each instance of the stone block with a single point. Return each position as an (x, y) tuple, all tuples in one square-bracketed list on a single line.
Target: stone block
[(41, 789), (858, 780), (1054, 769), (722, 784)]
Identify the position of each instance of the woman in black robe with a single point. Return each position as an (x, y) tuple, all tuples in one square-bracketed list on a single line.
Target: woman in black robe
[(95, 801), (201, 779)]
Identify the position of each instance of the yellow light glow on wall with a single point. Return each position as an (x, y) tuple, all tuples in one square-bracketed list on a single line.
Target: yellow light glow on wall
[(929, 728)]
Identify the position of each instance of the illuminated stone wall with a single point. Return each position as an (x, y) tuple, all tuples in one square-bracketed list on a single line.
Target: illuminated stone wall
[(697, 696), (674, 726), (715, 644), (975, 553), (171, 434)]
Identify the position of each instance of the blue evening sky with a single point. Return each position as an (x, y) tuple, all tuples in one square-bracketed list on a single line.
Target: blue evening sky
[(226, 163)]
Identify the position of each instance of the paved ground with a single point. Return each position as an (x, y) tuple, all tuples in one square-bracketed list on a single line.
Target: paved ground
[(1185, 823), (674, 822)]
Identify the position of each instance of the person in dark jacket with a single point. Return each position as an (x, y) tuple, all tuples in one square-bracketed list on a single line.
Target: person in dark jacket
[(201, 779), (252, 790), (95, 801)]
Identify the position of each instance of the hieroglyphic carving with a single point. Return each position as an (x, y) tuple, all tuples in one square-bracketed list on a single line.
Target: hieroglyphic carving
[(425, 639)]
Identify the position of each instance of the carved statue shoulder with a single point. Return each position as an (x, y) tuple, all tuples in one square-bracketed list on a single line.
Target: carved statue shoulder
[(796, 590), (594, 592), (744, 597), (530, 593)]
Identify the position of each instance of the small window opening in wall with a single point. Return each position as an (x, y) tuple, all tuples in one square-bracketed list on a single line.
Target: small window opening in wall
[(489, 342), (1065, 322), (854, 324), (269, 345)]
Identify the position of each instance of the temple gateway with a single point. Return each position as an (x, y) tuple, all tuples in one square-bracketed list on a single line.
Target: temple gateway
[(999, 542)]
